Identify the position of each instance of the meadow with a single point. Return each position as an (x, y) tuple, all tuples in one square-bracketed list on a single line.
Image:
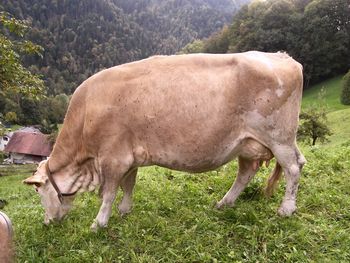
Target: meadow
[(174, 219)]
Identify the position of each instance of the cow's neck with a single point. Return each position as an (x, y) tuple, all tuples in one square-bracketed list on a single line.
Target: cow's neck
[(88, 177), (77, 177), (67, 151), (72, 165), (69, 148)]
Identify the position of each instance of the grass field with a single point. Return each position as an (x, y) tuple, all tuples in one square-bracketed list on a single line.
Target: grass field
[(338, 114), (173, 219), (331, 95)]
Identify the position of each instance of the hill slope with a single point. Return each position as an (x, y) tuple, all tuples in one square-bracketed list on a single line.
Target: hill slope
[(338, 114), (329, 90), (339, 121)]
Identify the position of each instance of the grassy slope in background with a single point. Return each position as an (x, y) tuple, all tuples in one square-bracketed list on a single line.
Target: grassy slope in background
[(338, 114), (173, 219)]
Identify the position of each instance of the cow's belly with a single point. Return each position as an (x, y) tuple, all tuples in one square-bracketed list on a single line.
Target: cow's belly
[(197, 156)]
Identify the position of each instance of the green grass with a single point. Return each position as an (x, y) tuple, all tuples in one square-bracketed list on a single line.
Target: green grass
[(173, 219), (331, 97), (339, 121), (338, 114)]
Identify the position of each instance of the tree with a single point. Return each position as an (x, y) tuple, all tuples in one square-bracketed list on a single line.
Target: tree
[(218, 42), (196, 46), (313, 125), (314, 32), (16, 81), (13, 75), (345, 93)]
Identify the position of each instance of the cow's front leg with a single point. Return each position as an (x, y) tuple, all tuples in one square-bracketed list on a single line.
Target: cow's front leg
[(247, 170), (127, 185), (112, 172), (105, 211)]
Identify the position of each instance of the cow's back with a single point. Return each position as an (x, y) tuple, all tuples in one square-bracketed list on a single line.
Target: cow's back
[(191, 109)]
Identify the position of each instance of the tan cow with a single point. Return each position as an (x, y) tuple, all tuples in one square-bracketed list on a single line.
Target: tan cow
[(189, 113), (6, 233)]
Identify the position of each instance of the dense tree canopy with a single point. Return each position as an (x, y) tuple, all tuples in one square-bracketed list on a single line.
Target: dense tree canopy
[(20, 89), (14, 77), (315, 32), (17, 83), (82, 37)]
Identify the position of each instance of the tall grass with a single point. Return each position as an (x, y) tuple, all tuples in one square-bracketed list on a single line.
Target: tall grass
[(174, 220)]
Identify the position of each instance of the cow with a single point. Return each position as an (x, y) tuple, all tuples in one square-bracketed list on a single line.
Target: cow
[(6, 236), (189, 113)]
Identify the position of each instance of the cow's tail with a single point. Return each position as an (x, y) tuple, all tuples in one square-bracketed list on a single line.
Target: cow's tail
[(273, 180)]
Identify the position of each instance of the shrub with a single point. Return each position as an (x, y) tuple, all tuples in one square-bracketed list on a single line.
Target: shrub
[(313, 125), (11, 117)]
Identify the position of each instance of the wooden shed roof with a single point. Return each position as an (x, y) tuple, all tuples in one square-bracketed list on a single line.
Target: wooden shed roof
[(33, 143)]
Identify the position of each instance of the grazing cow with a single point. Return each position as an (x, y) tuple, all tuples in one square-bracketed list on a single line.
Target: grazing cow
[(187, 112)]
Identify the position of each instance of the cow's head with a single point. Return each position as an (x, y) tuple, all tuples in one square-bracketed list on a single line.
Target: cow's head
[(55, 209)]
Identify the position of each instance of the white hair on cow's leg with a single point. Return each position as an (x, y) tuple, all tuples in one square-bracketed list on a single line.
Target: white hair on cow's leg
[(292, 162), (105, 210)]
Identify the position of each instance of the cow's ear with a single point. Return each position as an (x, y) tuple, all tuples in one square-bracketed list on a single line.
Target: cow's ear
[(36, 180)]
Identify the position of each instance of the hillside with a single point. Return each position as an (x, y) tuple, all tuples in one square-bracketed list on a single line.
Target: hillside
[(339, 121), (82, 37), (329, 90), (338, 114)]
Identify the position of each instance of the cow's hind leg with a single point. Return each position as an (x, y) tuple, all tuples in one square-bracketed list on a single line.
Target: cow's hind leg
[(292, 161), (246, 171), (127, 184)]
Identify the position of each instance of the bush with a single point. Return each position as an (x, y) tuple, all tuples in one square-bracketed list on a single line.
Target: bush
[(345, 94), (313, 125), (11, 117)]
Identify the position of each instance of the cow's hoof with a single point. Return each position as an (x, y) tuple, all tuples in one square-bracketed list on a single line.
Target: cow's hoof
[(219, 205), (124, 210), (223, 203), (287, 208), (96, 226)]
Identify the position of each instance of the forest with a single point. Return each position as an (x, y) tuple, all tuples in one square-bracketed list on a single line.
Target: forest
[(74, 39), (314, 32), (80, 38)]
